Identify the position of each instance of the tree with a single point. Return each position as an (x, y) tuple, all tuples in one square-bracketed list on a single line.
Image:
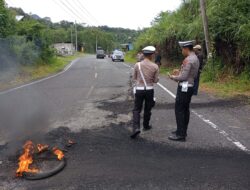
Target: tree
[(88, 36), (229, 27), (7, 22)]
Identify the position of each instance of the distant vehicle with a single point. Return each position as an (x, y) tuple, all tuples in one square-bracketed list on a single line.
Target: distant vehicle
[(117, 56), (100, 54)]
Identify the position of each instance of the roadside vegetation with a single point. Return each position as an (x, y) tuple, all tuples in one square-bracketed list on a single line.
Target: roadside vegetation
[(26, 44), (28, 73), (42, 70), (228, 73), (130, 57)]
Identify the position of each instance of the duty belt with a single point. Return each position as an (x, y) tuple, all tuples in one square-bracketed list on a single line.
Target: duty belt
[(145, 88), (189, 85)]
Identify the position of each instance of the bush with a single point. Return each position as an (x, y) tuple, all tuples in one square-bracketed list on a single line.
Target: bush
[(18, 50), (25, 51), (47, 55), (229, 28), (7, 21), (212, 70)]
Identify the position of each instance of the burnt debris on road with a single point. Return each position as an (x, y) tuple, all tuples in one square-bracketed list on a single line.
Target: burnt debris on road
[(89, 119)]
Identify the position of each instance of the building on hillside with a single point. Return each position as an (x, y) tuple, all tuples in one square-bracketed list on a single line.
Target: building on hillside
[(64, 48), (19, 17), (127, 47)]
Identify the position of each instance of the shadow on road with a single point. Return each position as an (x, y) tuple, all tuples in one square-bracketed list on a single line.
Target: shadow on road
[(227, 103), (106, 158)]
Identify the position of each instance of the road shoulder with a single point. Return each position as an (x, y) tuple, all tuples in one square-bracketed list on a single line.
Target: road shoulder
[(22, 75)]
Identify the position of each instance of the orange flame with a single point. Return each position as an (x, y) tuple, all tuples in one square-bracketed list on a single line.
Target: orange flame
[(58, 153), (26, 159), (42, 147)]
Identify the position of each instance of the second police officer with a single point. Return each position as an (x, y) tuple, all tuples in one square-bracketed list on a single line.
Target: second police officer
[(146, 73), (185, 79)]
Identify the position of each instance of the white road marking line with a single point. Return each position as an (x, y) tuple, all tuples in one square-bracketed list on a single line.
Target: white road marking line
[(96, 75), (38, 81), (126, 65), (214, 126), (90, 91), (211, 124), (164, 88), (241, 146)]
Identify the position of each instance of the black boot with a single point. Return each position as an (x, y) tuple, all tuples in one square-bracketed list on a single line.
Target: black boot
[(135, 133), (175, 132), (177, 138), (147, 128)]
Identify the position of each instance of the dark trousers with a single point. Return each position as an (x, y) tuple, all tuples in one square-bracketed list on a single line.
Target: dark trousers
[(182, 112), (142, 96), (196, 84)]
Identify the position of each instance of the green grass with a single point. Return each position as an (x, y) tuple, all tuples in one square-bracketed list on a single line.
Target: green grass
[(130, 57), (38, 71), (227, 88), (166, 70), (43, 70), (222, 84)]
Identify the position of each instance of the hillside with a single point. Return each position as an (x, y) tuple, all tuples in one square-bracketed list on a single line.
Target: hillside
[(229, 28)]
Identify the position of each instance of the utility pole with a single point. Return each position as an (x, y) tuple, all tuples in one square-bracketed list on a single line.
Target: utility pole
[(96, 43), (71, 38), (205, 25), (71, 35), (76, 35)]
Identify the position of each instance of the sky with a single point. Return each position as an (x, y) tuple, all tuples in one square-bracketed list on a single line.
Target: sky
[(131, 14)]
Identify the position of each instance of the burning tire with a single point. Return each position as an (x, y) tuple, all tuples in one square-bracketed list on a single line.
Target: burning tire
[(43, 175), (26, 159)]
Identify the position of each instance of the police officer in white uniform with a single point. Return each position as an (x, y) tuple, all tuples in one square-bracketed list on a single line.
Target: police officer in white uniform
[(146, 73), (185, 79)]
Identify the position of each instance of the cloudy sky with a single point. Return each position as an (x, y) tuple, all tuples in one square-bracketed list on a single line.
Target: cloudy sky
[(127, 13)]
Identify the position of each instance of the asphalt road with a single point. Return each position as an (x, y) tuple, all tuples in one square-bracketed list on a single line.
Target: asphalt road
[(90, 104)]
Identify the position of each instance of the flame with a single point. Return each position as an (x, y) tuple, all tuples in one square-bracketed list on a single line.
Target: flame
[(42, 147), (58, 153), (26, 159)]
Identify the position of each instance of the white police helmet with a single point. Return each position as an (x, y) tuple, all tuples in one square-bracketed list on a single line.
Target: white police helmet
[(149, 50), (186, 43)]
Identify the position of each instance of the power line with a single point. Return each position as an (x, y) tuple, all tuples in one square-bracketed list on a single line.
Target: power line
[(76, 10), (78, 5), (10, 2), (65, 9), (66, 6), (72, 11), (85, 10)]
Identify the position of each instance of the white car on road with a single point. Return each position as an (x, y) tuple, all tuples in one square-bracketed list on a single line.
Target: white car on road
[(117, 56)]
